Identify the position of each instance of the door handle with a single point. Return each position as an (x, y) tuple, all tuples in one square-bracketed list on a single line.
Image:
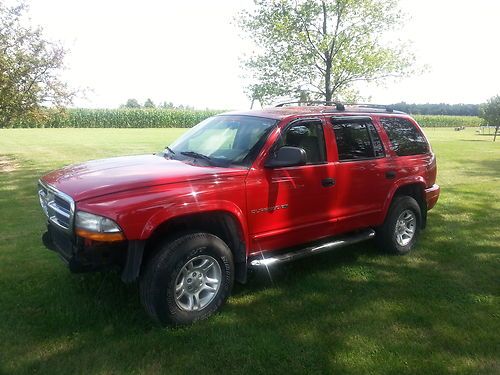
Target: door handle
[(327, 182), (390, 174)]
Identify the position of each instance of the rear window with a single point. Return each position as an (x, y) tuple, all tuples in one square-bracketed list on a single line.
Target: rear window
[(356, 138), (405, 138)]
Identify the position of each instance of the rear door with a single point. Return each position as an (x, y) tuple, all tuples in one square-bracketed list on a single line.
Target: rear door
[(364, 174)]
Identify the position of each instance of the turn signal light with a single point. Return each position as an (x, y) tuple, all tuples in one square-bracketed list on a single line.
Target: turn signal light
[(102, 237)]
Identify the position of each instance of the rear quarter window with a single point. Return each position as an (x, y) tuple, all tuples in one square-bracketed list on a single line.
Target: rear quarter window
[(404, 136)]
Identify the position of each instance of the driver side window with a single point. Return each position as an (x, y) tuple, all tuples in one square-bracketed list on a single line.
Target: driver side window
[(307, 135)]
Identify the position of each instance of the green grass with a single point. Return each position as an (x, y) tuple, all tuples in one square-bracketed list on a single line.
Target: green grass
[(354, 311)]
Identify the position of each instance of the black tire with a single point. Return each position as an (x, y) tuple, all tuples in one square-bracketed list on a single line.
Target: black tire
[(160, 276), (387, 237)]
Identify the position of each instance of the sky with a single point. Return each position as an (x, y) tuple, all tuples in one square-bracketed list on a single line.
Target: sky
[(188, 52)]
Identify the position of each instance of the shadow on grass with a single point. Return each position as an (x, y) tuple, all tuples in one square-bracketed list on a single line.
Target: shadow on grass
[(354, 310), (478, 140), (483, 168)]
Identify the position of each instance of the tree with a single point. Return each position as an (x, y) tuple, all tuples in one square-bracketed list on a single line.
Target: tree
[(167, 105), (438, 109), (149, 103), (132, 103), (170, 105), (29, 69), (321, 46), (490, 113)]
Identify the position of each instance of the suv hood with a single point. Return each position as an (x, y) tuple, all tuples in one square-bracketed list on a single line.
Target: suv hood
[(107, 176)]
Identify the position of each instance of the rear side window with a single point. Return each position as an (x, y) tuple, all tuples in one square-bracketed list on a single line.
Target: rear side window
[(405, 138), (357, 139)]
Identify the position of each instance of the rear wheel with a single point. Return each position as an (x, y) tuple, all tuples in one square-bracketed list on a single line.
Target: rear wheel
[(188, 279), (402, 226)]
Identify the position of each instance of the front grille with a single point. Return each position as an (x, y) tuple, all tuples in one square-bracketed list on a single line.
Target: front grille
[(63, 204), (57, 206)]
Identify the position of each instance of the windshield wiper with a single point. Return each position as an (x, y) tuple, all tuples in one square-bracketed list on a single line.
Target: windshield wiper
[(169, 155), (197, 155)]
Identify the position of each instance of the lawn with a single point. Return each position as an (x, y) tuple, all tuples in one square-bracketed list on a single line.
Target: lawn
[(354, 311)]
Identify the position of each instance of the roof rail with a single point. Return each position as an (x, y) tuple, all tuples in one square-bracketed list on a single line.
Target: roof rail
[(338, 106), (384, 107)]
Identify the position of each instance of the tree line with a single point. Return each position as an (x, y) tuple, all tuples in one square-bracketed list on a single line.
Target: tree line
[(439, 109), (149, 104), (416, 109)]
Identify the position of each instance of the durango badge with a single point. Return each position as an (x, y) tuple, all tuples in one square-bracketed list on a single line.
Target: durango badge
[(269, 209)]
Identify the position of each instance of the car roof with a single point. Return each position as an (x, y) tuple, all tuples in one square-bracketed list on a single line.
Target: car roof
[(279, 113)]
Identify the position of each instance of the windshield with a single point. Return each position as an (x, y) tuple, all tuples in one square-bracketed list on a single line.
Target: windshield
[(223, 140)]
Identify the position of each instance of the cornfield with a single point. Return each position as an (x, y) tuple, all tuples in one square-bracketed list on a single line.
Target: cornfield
[(177, 118), (442, 121), (119, 118)]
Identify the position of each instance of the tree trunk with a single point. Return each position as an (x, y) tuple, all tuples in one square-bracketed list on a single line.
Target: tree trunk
[(496, 131), (328, 83), (328, 59)]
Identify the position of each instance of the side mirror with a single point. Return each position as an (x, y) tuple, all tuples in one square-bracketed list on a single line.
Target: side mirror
[(287, 156)]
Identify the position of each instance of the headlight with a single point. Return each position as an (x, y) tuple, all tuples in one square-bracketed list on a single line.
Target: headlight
[(95, 223), (97, 227)]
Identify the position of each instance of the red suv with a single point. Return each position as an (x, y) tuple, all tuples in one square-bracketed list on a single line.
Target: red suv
[(242, 190)]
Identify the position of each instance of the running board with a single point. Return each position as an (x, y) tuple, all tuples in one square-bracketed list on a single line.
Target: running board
[(261, 260)]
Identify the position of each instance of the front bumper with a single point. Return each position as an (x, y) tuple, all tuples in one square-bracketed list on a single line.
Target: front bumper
[(432, 196), (82, 255)]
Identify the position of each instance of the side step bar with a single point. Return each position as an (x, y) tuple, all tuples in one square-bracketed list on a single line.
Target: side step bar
[(261, 260)]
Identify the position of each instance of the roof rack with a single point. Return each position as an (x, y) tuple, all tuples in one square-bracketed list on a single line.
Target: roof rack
[(386, 108), (339, 106)]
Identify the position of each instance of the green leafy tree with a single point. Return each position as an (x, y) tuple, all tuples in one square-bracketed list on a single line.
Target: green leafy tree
[(30, 67), (131, 103), (322, 47), (149, 103), (490, 113)]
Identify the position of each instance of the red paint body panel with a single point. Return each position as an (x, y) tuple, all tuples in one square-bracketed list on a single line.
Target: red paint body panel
[(140, 211), (275, 208), (432, 195), (108, 176)]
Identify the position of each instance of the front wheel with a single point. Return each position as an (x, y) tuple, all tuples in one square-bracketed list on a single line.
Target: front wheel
[(188, 279), (402, 226)]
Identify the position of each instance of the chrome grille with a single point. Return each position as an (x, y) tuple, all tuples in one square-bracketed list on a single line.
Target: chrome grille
[(57, 206), (63, 204)]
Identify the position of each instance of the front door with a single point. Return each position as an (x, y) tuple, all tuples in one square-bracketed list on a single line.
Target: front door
[(292, 205)]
